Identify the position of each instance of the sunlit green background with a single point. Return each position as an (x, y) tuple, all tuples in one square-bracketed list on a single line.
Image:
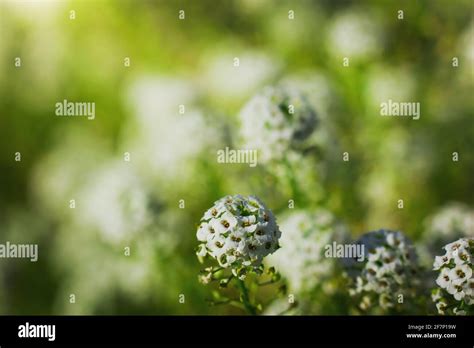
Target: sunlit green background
[(173, 157)]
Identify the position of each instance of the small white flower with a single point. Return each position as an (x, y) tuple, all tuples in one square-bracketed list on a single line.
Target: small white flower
[(461, 256), (451, 248), (441, 306), (376, 254), (469, 287), (456, 290), (225, 223), (203, 232), (440, 261), (394, 239), (460, 273), (444, 278), (214, 212)]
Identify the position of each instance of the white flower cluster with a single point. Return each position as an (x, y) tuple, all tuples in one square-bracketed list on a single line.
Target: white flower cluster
[(118, 205), (387, 270), (238, 232), (157, 102), (301, 259), (451, 222), (255, 69), (455, 278), (277, 120)]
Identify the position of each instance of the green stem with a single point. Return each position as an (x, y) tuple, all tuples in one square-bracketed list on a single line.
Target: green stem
[(266, 283), (290, 175), (217, 303), (217, 270), (245, 297)]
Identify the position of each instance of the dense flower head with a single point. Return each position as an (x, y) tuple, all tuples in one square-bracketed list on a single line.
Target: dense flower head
[(388, 270), (277, 120), (455, 280), (238, 232), (301, 259)]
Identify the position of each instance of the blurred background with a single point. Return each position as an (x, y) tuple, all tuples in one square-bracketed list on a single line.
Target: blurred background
[(150, 206)]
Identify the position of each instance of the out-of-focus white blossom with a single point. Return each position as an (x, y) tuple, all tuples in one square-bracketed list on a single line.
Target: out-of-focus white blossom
[(455, 280), (168, 130), (276, 121), (223, 79), (389, 268), (354, 35), (95, 272), (238, 232), (316, 87), (155, 98), (452, 221), (318, 91), (114, 202), (58, 175), (301, 259)]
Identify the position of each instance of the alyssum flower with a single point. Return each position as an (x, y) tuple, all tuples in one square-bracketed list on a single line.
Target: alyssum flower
[(276, 121), (388, 269), (238, 232), (301, 259), (455, 294)]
